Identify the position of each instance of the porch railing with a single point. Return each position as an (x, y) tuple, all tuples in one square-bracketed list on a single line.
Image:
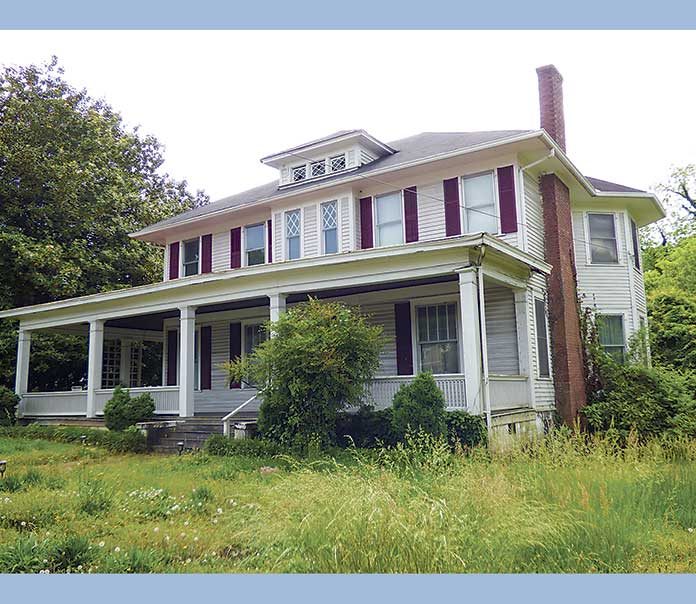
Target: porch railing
[(382, 390), (72, 402), (166, 398)]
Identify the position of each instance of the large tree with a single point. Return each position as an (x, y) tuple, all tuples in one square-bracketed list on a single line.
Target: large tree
[(74, 181)]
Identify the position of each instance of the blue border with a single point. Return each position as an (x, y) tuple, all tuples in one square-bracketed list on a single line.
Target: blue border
[(351, 14)]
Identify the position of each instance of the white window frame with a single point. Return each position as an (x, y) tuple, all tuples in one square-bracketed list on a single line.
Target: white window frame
[(588, 239), (182, 254), (330, 160), (537, 371), (298, 167), (320, 225), (245, 261), (415, 344), (375, 226), (462, 200), (623, 317), (322, 162), (286, 255)]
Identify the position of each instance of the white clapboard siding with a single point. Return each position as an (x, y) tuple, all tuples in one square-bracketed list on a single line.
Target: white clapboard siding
[(431, 211), (220, 335), (383, 315), (221, 251), (165, 273), (501, 330), (534, 217), (356, 204), (277, 237), (344, 223), (544, 395), (310, 231)]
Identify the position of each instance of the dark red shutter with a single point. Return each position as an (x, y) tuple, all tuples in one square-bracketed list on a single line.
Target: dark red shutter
[(206, 357), (269, 237), (172, 356), (506, 199), (453, 223), (411, 214), (174, 260), (235, 346), (404, 350), (366, 240), (236, 247), (206, 254)]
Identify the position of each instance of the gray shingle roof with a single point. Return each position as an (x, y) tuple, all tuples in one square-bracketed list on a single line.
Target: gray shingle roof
[(413, 148), (611, 187)]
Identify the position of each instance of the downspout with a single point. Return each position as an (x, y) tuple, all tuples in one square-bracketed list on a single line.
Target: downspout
[(483, 340)]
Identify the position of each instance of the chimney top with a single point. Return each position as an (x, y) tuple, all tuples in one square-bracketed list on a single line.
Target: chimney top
[(551, 103)]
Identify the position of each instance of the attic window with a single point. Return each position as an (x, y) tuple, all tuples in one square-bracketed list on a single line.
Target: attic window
[(318, 168), (338, 163), (299, 173)]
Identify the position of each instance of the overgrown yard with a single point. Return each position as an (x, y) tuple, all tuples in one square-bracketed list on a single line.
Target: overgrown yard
[(560, 507)]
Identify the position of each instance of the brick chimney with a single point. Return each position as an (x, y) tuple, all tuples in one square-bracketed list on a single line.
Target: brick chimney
[(564, 323)]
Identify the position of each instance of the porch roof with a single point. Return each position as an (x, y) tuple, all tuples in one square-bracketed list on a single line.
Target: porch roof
[(358, 268)]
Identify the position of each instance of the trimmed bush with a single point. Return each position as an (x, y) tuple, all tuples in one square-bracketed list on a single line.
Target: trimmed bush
[(8, 406), (365, 428), (419, 406), (221, 445), (130, 440), (122, 411), (465, 429)]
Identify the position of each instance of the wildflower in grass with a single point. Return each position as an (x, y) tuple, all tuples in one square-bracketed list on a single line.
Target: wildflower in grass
[(156, 529), (183, 535), (23, 523), (101, 544), (166, 537), (690, 530), (117, 549), (195, 538), (214, 520), (219, 510), (186, 523)]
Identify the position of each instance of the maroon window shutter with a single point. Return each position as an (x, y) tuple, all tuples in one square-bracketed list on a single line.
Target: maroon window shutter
[(172, 356), (366, 240), (235, 346), (411, 214), (269, 237), (506, 199), (174, 260), (404, 351), (236, 247), (206, 357), (206, 253), (453, 223)]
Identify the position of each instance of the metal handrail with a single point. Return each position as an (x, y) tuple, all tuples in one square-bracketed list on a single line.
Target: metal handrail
[(228, 417)]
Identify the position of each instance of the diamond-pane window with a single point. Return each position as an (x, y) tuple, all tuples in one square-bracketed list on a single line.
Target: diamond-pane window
[(318, 168), (299, 173), (338, 163), (292, 234), (329, 215)]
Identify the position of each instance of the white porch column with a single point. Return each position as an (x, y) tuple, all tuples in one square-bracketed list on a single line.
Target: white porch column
[(124, 368), (277, 306), (471, 339), (22, 375), (187, 336), (95, 358)]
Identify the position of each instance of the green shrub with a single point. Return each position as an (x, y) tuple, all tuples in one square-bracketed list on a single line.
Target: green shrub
[(419, 407), (465, 429), (130, 440), (122, 411), (221, 445), (365, 428), (649, 401), (8, 406)]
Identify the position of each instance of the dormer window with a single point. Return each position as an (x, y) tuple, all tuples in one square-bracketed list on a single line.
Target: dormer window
[(299, 173), (338, 162), (318, 168)]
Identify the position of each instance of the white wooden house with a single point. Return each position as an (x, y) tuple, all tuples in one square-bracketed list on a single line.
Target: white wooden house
[(468, 248)]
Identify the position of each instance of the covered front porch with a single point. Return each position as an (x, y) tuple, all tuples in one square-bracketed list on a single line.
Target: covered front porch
[(466, 317)]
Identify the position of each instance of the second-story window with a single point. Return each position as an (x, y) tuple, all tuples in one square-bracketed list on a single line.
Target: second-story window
[(603, 248), (190, 257), (292, 234), (338, 163), (329, 227), (318, 168), (388, 219), (478, 194), (299, 173), (255, 246)]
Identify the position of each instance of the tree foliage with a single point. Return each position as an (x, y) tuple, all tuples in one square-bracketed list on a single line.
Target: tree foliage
[(74, 181), (319, 360)]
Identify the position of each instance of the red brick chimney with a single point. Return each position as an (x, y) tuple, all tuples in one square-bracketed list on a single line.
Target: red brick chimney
[(564, 323)]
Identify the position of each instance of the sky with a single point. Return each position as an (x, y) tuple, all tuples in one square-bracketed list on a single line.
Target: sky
[(220, 100)]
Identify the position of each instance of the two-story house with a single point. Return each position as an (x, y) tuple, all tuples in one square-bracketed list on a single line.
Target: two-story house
[(468, 248)]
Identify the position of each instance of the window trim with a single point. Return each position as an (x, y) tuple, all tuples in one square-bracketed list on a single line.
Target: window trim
[(462, 200), (286, 255), (320, 225), (245, 261), (329, 161), (415, 344), (298, 167), (635, 243), (622, 316), (375, 226), (537, 371), (317, 162), (258, 320), (182, 254), (588, 239)]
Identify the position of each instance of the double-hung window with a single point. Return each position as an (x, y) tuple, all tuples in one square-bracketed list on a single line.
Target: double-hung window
[(437, 338), (254, 334), (329, 227), (610, 330), (293, 229), (603, 248), (480, 207), (190, 257), (542, 338), (255, 244), (389, 219)]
